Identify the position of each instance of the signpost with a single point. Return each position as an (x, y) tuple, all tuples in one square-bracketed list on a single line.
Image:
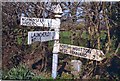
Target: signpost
[(41, 36), (53, 23), (88, 53)]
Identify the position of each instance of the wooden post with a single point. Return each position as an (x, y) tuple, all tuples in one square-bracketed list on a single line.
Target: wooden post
[(55, 54), (58, 12)]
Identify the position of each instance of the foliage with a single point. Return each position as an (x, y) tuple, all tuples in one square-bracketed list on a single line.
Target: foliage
[(65, 76), (43, 76), (99, 28), (19, 73), (19, 40)]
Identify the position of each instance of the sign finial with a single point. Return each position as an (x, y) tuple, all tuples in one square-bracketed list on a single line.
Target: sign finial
[(58, 9)]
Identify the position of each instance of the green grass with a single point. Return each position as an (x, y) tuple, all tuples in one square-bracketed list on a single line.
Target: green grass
[(65, 37), (84, 35)]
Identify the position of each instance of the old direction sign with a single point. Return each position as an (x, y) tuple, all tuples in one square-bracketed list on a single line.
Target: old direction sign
[(88, 53), (53, 23), (41, 36)]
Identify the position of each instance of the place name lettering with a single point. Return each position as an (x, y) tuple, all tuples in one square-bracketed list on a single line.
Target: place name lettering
[(74, 50), (29, 21), (34, 21), (65, 46), (39, 35), (83, 50), (64, 51)]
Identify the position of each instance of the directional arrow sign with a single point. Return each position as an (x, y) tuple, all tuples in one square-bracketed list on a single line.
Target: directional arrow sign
[(40, 36), (53, 23), (82, 52)]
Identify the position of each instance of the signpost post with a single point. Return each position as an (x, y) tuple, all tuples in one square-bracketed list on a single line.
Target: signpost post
[(57, 11)]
